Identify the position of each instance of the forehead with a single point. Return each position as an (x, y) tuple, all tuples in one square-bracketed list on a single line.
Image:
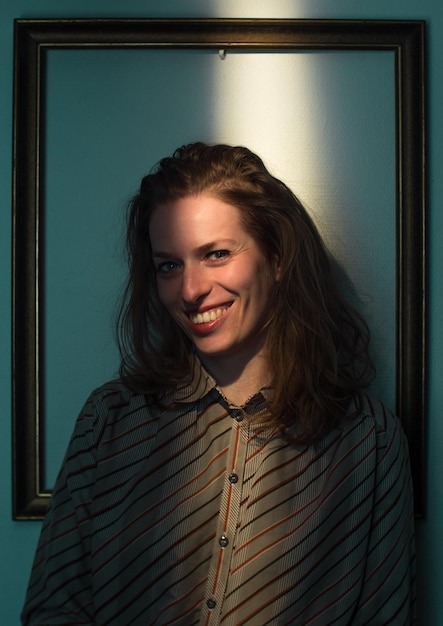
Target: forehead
[(195, 219)]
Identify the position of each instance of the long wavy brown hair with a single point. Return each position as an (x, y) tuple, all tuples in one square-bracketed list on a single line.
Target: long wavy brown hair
[(317, 344)]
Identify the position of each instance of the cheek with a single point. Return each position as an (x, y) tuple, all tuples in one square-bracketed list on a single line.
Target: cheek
[(165, 293)]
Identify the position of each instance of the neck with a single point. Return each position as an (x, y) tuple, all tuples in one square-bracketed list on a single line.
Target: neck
[(238, 380)]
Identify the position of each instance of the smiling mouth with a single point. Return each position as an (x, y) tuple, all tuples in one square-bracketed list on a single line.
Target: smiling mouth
[(207, 316)]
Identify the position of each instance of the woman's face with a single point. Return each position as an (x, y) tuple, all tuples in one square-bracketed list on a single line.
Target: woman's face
[(212, 278)]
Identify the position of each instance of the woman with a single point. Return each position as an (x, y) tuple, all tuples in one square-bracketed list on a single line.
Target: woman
[(236, 473)]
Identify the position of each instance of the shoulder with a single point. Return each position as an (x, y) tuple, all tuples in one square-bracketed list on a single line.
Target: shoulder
[(382, 429), (386, 424), (112, 394), (113, 406), (376, 413)]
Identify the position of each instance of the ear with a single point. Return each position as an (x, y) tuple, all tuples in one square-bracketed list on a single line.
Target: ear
[(276, 268)]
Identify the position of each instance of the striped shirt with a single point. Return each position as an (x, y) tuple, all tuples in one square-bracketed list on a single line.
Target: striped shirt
[(181, 510)]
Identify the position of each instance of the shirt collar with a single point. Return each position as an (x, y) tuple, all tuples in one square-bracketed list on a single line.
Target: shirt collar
[(197, 384)]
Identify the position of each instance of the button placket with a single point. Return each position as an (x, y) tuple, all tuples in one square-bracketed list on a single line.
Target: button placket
[(228, 519)]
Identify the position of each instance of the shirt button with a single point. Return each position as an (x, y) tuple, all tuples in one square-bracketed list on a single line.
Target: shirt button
[(233, 478), (211, 603), (223, 541), (237, 415)]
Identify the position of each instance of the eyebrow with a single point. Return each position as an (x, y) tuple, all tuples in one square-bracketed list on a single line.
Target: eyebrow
[(207, 247)]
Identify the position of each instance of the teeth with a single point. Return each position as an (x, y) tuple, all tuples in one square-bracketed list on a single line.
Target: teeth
[(207, 316)]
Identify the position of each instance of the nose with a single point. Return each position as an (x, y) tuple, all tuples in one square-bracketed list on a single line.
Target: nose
[(196, 284)]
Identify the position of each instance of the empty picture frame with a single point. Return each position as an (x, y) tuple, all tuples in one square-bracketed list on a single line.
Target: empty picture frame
[(34, 40)]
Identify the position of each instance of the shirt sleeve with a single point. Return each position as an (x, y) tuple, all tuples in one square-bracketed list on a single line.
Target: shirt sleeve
[(388, 590), (60, 589)]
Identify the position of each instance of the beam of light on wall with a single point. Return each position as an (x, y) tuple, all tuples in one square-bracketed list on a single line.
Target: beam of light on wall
[(256, 105)]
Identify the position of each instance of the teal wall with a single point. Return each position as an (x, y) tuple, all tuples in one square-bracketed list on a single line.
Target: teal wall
[(18, 539)]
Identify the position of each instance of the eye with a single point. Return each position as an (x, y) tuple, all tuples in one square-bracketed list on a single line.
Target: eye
[(166, 267), (218, 254)]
